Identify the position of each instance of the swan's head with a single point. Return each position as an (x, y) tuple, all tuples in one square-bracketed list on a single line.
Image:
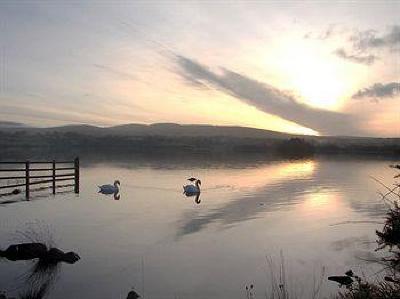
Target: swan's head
[(198, 182), (117, 182)]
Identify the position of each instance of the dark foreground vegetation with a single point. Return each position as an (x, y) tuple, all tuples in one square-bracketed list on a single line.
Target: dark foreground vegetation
[(36, 250), (388, 240), (46, 262)]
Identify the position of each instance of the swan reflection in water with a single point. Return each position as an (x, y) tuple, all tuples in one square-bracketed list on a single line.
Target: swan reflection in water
[(109, 189), (196, 197)]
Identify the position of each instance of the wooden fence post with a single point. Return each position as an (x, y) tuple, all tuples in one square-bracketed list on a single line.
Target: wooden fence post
[(27, 179), (76, 166), (54, 177)]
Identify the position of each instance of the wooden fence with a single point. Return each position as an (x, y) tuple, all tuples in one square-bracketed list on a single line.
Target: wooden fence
[(30, 167)]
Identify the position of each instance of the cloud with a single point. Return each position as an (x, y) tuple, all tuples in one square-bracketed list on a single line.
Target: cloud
[(369, 39), (379, 91), (363, 43), (328, 33), (267, 98), (363, 59), (115, 72)]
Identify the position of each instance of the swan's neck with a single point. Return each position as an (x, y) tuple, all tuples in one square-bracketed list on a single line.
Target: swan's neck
[(197, 185)]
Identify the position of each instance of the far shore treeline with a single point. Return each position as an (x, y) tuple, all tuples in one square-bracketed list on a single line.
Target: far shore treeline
[(172, 139)]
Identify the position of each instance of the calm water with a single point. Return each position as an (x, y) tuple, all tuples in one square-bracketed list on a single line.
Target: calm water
[(318, 213)]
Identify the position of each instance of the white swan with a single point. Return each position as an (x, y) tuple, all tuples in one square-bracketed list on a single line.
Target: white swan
[(192, 189), (110, 189)]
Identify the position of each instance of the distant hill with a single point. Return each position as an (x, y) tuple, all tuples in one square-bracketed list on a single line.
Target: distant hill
[(178, 130), (159, 129), (11, 124)]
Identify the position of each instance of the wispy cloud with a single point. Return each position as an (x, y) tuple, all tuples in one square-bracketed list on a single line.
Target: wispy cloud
[(328, 33), (369, 39), (365, 44), (115, 72), (379, 91), (267, 98), (363, 59)]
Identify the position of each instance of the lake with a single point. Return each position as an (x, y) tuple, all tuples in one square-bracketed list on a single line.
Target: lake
[(314, 216)]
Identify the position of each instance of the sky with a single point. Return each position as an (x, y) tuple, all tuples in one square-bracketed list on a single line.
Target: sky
[(307, 67)]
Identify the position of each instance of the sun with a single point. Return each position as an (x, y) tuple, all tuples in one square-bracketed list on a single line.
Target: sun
[(317, 84), (312, 72), (314, 75)]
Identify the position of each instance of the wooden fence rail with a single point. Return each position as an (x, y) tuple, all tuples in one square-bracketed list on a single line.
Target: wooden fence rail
[(49, 178)]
